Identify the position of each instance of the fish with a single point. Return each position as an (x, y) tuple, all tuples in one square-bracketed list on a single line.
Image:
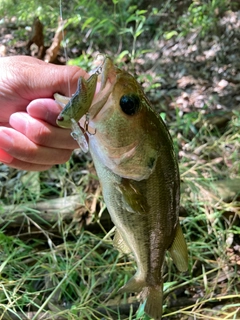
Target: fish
[(75, 107), (134, 157)]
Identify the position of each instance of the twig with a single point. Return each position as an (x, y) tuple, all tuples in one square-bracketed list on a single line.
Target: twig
[(49, 211)]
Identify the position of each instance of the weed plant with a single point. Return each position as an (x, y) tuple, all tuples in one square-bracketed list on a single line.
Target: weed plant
[(73, 276)]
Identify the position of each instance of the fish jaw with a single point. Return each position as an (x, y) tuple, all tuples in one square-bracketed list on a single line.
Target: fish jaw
[(98, 84), (106, 81)]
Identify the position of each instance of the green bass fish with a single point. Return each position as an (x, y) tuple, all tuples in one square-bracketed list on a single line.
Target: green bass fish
[(134, 158)]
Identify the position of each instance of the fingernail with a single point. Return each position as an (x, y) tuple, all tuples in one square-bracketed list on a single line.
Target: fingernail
[(5, 157), (6, 141)]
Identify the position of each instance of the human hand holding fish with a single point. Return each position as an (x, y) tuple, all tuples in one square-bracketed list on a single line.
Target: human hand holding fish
[(134, 158), (29, 136)]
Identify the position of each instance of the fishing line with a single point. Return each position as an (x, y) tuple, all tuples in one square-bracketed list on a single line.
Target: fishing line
[(64, 43), (76, 133), (65, 49)]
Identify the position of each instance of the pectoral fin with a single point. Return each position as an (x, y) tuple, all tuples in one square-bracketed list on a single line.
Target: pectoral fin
[(178, 250), (135, 201)]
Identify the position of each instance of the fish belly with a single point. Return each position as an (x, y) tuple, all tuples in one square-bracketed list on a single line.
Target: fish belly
[(148, 232)]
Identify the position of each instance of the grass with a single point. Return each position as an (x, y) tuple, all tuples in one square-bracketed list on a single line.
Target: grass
[(71, 274), (75, 276)]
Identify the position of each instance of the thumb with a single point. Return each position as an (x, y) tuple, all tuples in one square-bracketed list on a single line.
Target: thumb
[(41, 80)]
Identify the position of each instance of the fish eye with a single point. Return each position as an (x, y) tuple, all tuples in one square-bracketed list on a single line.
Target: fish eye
[(130, 104)]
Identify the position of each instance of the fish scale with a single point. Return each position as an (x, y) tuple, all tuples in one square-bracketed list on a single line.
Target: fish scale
[(133, 154)]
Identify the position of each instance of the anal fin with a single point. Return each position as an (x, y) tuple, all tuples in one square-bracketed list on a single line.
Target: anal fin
[(178, 250), (120, 244), (135, 284)]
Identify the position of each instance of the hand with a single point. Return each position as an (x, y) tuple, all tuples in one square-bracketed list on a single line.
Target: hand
[(29, 136)]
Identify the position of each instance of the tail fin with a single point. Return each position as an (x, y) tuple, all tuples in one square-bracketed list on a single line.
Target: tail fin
[(153, 295), (154, 298)]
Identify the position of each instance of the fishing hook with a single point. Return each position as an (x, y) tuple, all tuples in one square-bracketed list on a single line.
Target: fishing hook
[(86, 130)]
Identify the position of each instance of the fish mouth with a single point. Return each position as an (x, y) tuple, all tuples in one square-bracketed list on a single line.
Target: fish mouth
[(106, 80)]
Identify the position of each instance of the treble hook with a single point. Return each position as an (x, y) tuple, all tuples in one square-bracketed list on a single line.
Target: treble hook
[(86, 126)]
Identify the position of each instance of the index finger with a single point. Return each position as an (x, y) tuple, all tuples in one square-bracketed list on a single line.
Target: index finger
[(44, 109)]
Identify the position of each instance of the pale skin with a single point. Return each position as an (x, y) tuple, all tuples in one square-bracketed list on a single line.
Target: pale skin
[(29, 136)]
